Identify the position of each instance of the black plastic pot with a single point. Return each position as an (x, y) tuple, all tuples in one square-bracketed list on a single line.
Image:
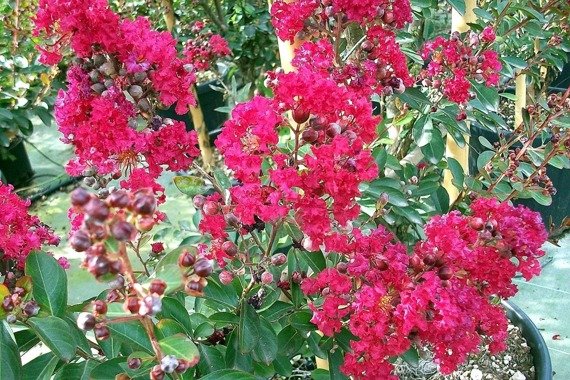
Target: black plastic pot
[(539, 350), (16, 168), (209, 100)]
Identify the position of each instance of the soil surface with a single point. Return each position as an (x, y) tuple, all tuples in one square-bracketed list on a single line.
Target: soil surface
[(513, 364)]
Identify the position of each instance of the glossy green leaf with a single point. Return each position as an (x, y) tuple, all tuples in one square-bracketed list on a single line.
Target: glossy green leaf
[(223, 297), (222, 319), (540, 198), (76, 371), (56, 334), (248, 329), (435, 149), (456, 172), (222, 179), (181, 347), (289, 341), (229, 374), (423, 130), (234, 358), (211, 359), (266, 349), (276, 311), (301, 320), (132, 333), (40, 368), (173, 309), (49, 282), (10, 363), (190, 185), (108, 370), (458, 5)]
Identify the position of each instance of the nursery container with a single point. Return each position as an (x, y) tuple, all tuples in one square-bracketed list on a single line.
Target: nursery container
[(15, 166), (210, 100), (539, 350)]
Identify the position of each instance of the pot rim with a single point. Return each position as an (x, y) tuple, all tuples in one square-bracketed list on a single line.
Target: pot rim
[(539, 350)]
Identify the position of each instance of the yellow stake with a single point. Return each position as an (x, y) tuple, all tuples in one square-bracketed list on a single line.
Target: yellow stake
[(452, 150)]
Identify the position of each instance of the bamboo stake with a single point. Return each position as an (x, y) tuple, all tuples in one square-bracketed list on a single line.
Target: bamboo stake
[(453, 150), (195, 111), (520, 101)]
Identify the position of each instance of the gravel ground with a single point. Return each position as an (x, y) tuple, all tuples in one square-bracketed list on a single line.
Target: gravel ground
[(513, 364)]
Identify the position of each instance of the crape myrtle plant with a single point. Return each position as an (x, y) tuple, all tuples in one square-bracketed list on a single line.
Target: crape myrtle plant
[(323, 239)]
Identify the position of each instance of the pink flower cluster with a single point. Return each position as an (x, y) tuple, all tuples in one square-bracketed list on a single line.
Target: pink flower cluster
[(376, 64), (441, 296), (125, 70), (20, 232), (454, 62), (203, 50)]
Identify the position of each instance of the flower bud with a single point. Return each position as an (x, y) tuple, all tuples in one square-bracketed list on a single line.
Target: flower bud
[(86, 321), (230, 248), (429, 260), (194, 288), (342, 267), (136, 91), (310, 135), (226, 277), (333, 129), (150, 305), (203, 268), (445, 273), (367, 46), (300, 115), (145, 223), (199, 200), (132, 305), (99, 307), (211, 208), (102, 332), (186, 259), (477, 224), (388, 17), (118, 198), (80, 197), (31, 308), (144, 204), (97, 209), (134, 363), (157, 373), (80, 241), (157, 286), (278, 259), (267, 278), (123, 231)]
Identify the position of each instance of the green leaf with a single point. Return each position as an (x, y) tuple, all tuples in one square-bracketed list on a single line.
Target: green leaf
[(412, 357), (409, 213), (336, 359), (234, 358), (49, 282), (423, 130), (222, 179), (225, 297), (211, 359), (6, 114), (204, 330), (545, 200), (26, 339), (458, 5), (301, 320), (316, 260), (289, 341), (248, 331), (435, 149), (108, 370), (76, 371), (181, 347), (55, 334), (131, 333), (484, 158), (266, 350), (41, 368), (456, 172), (229, 374), (167, 327), (173, 309), (190, 185), (276, 311), (487, 96), (222, 319), (441, 200), (10, 363), (414, 97)]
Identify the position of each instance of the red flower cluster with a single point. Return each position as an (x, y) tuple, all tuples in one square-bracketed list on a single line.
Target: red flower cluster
[(125, 71), (20, 232), (441, 296), (202, 50), (454, 62)]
